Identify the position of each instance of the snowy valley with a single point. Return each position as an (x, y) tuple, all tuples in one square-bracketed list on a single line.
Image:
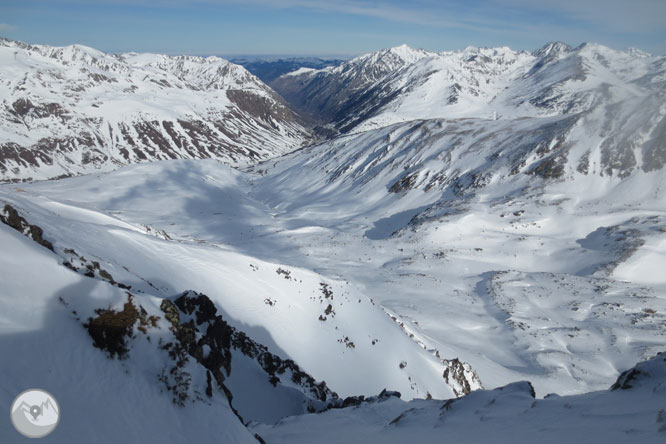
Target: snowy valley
[(408, 246)]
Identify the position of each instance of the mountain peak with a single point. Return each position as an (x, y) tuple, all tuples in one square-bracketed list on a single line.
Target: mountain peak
[(407, 53), (552, 50)]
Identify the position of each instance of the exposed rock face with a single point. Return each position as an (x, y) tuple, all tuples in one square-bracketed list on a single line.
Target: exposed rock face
[(644, 373), (461, 377), (196, 325), (9, 216), (74, 110), (203, 328)]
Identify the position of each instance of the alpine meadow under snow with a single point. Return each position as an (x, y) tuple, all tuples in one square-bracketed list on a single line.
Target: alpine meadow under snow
[(408, 247)]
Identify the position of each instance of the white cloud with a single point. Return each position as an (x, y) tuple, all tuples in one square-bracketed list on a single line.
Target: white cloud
[(4, 27)]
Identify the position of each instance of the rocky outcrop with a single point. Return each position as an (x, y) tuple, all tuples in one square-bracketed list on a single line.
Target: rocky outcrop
[(9, 216), (196, 324)]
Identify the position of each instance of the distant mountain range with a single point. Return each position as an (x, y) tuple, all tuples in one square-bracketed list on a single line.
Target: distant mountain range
[(72, 110), (270, 69)]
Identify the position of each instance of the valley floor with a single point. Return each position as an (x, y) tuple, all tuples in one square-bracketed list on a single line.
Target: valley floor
[(521, 290)]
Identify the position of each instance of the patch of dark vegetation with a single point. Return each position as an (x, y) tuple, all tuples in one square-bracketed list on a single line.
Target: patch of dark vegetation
[(111, 329), (146, 321), (9, 216)]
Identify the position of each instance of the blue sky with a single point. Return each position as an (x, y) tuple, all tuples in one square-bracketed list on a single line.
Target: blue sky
[(344, 27)]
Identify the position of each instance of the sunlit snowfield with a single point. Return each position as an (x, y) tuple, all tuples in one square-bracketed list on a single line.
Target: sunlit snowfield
[(542, 286), (528, 246)]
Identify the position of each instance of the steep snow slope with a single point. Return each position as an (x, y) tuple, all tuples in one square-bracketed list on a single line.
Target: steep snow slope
[(326, 325), (101, 400), (632, 411), (74, 110), (439, 210)]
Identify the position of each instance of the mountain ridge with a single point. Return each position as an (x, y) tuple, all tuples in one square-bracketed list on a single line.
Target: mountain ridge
[(474, 82), (73, 109)]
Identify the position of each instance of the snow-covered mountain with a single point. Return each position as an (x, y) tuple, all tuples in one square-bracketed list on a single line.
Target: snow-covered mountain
[(401, 84), (432, 250), (326, 94), (74, 110), (478, 219)]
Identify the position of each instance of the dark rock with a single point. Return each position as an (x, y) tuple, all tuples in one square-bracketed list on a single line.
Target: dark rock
[(624, 380), (110, 329), (11, 217)]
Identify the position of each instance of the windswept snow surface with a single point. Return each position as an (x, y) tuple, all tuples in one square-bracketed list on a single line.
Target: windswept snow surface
[(634, 413)]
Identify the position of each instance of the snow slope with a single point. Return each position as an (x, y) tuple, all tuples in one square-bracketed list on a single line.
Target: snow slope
[(74, 110), (441, 210), (449, 257), (326, 325), (101, 400), (634, 411)]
